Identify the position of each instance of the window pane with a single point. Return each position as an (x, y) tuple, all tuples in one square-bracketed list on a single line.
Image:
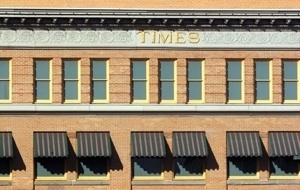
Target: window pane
[(234, 90), (167, 70), (290, 90), (71, 90), (262, 70), (194, 70), (139, 70), (71, 69), (50, 167), (189, 166), (4, 167), (42, 90), (139, 90), (4, 69), (262, 91), (167, 90), (290, 70), (99, 90), (234, 70), (4, 90), (284, 166), (99, 69), (241, 166), (195, 91), (147, 167), (42, 69), (92, 166)]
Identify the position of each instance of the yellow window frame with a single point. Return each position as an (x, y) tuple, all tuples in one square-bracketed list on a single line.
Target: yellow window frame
[(66, 101), (9, 100), (104, 178), (203, 176), (246, 177), (298, 84), (242, 80), (50, 82), (202, 80), (170, 80), (51, 178), (9, 177), (270, 100), (106, 80), (161, 177), (146, 79)]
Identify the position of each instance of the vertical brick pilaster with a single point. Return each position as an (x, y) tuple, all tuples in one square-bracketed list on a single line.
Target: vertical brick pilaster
[(57, 80), (154, 86), (249, 83), (181, 81), (277, 81), (85, 81)]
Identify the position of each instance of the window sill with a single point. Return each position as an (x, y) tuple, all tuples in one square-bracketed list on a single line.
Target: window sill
[(5, 182), (71, 183), (263, 182), (168, 182)]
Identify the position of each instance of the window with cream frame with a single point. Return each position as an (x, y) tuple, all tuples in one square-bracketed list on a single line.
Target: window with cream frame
[(147, 168), (5, 81), (50, 168), (140, 81), (100, 80), (43, 80), (168, 81), (93, 168), (291, 76), (263, 81), (284, 167), (72, 80), (195, 80), (243, 167), (5, 168), (189, 168), (235, 81)]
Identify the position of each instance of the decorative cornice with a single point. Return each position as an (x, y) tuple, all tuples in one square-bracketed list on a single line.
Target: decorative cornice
[(143, 18)]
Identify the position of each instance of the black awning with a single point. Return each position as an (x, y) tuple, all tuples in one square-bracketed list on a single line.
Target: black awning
[(6, 147), (243, 144), (50, 144), (189, 144), (284, 144), (93, 144), (148, 144)]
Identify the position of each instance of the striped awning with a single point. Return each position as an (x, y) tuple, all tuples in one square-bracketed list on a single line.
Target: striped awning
[(243, 144), (93, 144), (148, 144), (50, 144), (189, 144), (6, 147), (284, 143)]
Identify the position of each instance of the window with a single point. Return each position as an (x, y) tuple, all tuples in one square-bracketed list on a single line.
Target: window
[(5, 81), (284, 168), (290, 81), (147, 167), (43, 84), (140, 85), (71, 81), (50, 168), (93, 168), (100, 81), (189, 168), (242, 167), (168, 86), (5, 168), (263, 81), (235, 81), (195, 81)]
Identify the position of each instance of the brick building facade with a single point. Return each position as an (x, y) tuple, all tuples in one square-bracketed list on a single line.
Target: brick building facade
[(119, 95)]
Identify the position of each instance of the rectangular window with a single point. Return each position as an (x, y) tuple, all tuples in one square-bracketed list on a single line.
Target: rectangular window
[(5, 81), (168, 85), (100, 82), (147, 168), (242, 168), (284, 168), (43, 81), (140, 85), (71, 81), (189, 168), (291, 81), (195, 81), (93, 168), (5, 168), (50, 168), (263, 81), (235, 81)]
